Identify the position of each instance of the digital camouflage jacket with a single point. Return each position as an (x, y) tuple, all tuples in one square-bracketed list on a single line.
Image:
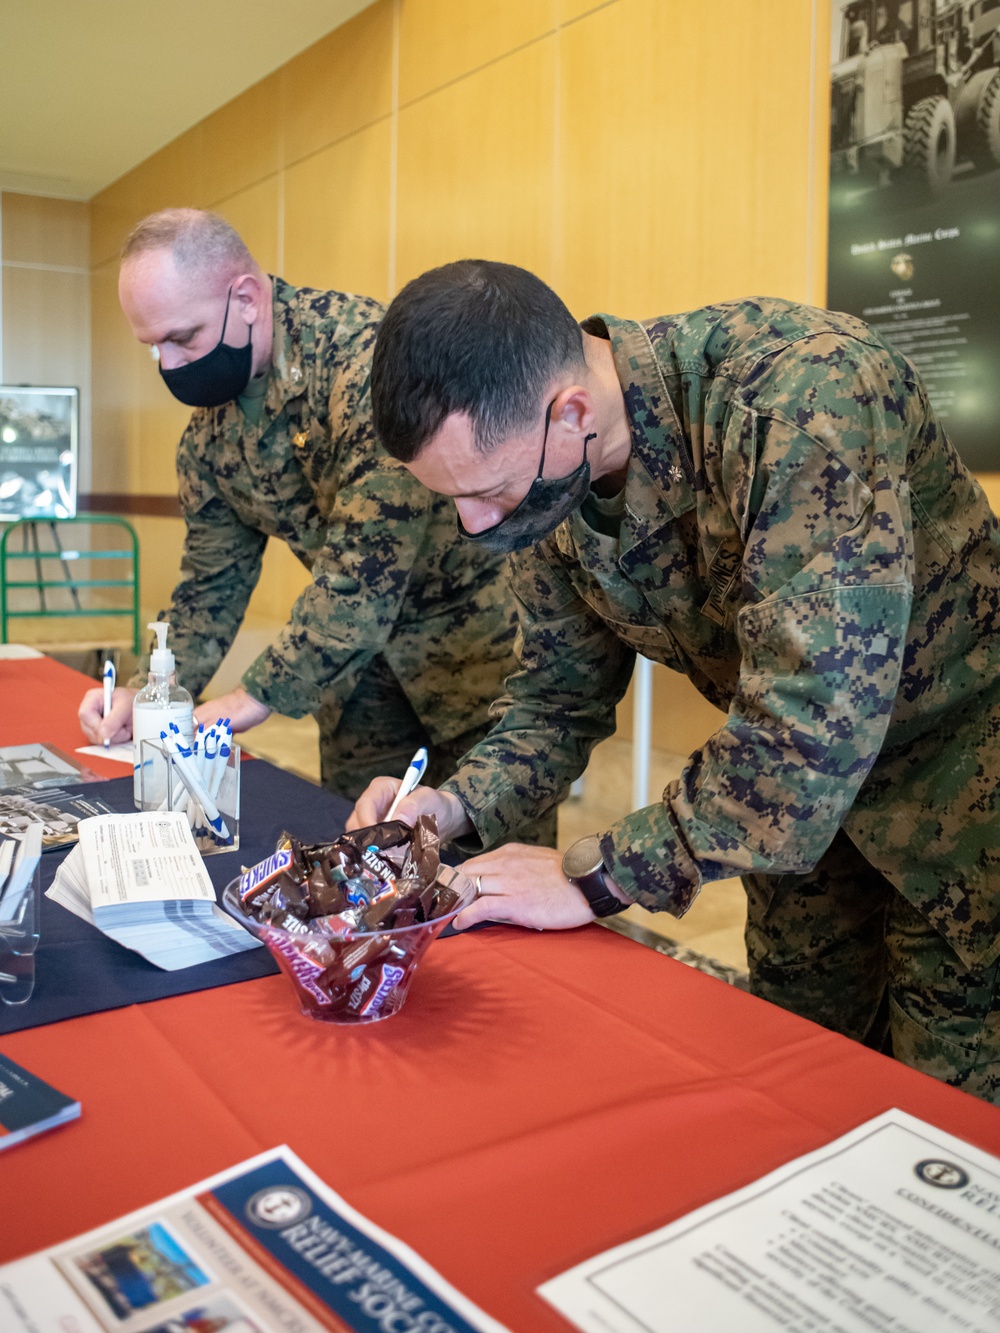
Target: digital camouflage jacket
[(802, 541), (390, 574)]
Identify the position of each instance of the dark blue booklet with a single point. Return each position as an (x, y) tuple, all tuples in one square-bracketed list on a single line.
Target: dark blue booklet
[(28, 1105)]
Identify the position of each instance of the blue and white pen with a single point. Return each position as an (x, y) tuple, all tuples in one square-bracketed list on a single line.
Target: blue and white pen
[(183, 758), (109, 690), (221, 761), (411, 779)]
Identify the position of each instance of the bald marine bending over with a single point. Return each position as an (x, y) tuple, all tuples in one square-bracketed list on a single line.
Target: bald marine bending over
[(404, 635), (758, 495)]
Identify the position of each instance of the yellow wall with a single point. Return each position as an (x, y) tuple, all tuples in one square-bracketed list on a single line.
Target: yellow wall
[(643, 156), (45, 298)]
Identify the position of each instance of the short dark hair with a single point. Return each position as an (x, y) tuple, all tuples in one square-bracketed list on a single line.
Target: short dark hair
[(477, 337)]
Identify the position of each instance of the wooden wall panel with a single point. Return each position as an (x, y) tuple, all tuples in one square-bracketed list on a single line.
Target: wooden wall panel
[(476, 167), (690, 182), (160, 543), (45, 231), (114, 370), (178, 176), (44, 314), (570, 10), (112, 213), (257, 213), (340, 84), (243, 142), (337, 230), (445, 40)]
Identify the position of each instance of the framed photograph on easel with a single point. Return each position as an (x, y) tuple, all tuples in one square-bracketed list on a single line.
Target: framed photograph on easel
[(39, 444)]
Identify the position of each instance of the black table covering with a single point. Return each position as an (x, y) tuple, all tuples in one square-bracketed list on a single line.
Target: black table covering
[(80, 971)]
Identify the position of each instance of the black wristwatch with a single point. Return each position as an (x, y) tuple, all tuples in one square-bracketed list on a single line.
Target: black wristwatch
[(583, 865)]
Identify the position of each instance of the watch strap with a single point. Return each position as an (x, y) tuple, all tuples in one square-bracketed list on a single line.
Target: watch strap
[(594, 888)]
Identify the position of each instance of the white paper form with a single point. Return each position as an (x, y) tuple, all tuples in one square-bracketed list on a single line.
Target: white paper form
[(893, 1228), (142, 858), (171, 932), (69, 888), (118, 754)]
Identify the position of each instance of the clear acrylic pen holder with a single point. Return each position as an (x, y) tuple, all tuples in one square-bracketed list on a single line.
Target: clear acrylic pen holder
[(167, 783), (20, 924)]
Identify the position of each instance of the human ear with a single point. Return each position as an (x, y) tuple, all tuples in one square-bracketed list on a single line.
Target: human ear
[(574, 409), (247, 296)]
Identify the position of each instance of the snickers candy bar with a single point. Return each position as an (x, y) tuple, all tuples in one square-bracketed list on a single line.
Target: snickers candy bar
[(260, 878)]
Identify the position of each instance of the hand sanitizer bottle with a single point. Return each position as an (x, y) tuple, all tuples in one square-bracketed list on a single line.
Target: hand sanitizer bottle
[(158, 704)]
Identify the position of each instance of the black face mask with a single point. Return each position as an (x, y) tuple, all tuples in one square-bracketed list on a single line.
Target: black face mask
[(547, 503), (215, 378)]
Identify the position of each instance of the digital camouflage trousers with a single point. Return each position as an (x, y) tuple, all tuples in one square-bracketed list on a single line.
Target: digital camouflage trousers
[(842, 947)]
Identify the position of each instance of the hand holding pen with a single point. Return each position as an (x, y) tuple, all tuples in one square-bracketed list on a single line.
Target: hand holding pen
[(411, 779)]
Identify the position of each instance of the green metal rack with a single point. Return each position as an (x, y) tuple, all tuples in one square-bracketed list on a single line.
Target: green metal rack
[(67, 556)]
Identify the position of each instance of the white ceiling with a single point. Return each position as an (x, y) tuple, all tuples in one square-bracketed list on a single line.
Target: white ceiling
[(90, 88)]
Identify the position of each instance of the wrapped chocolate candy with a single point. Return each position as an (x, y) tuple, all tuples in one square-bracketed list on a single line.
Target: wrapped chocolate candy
[(348, 920)]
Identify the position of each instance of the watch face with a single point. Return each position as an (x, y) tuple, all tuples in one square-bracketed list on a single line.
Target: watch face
[(583, 858)]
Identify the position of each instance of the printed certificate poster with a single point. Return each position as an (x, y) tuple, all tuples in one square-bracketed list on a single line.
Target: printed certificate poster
[(895, 1227), (263, 1248), (914, 244)]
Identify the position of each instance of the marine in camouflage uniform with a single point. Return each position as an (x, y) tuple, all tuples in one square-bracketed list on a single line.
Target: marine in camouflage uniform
[(404, 635), (801, 540)]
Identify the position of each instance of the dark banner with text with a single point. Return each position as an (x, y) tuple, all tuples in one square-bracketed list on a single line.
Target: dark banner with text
[(915, 197)]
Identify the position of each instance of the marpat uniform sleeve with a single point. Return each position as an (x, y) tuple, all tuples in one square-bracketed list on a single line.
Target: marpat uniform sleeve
[(220, 566), (377, 525), (827, 589), (560, 702)]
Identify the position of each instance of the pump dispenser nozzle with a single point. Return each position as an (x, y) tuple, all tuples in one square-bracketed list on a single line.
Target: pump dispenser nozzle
[(161, 660)]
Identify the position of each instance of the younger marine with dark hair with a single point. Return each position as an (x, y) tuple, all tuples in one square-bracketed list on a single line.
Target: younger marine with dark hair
[(757, 494)]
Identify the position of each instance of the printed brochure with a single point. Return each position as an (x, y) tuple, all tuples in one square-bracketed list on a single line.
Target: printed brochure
[(265, 1247)]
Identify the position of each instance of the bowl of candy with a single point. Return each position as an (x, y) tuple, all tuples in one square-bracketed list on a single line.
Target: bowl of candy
[(349, 921)]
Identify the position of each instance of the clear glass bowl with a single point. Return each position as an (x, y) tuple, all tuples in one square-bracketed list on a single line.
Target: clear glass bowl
[(362, 979)]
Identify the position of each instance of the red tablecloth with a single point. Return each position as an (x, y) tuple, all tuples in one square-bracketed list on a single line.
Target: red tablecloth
[(541, 1096)]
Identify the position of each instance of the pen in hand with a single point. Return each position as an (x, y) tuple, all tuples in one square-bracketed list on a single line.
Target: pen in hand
[(109, 689), (411, 779)]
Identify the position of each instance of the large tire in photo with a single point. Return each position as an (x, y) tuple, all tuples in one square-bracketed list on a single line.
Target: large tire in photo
[(929, 143), (987, 140)]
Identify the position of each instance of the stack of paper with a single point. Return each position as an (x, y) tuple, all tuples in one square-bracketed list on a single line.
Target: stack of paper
[(140, 880)]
